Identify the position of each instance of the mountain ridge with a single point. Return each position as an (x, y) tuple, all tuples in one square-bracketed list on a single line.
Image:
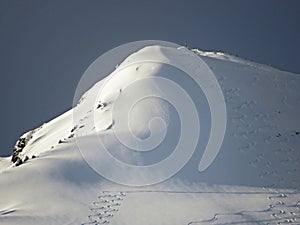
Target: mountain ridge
[(253, 180)]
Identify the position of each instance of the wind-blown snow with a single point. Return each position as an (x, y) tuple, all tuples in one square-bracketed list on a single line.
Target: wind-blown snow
[(254, 179)]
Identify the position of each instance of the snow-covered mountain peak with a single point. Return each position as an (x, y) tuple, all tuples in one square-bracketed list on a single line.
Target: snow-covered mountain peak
[(253, 180)]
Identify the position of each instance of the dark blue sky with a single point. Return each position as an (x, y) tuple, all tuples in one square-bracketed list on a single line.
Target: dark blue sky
[(45, 46)]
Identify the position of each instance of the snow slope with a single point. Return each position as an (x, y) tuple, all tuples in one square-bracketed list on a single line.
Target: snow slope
[(254, 179)]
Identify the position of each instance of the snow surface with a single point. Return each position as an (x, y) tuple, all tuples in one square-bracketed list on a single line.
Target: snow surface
[(254, 179)]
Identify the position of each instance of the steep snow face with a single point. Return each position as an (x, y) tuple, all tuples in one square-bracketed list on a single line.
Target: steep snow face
[(142, 101), (113, 98), (254, 179)]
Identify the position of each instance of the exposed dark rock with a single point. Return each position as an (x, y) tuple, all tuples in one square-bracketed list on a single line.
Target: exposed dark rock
[(19, 146), (18, 162), (14, 158), (26, 158), (73, 129), (101, 105)]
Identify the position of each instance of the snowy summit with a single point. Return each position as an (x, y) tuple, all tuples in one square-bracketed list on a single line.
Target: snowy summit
[(74, 168)]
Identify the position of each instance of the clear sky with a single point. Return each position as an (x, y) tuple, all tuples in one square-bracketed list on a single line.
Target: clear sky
[(45, 46)]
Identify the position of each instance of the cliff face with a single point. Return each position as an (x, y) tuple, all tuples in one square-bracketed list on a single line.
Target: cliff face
[(18, 148), (18, 155)]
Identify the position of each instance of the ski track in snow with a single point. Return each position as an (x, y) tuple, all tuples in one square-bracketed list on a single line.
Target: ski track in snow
[(105, 207), (283, 209)]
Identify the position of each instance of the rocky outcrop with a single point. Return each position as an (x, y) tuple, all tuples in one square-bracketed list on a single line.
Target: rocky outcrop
[(18, 148)]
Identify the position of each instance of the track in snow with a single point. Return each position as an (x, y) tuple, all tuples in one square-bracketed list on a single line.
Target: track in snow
[(283, 208), (105, 207)]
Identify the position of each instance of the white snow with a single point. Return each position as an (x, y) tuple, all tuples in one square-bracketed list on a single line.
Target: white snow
[(254, 179)]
